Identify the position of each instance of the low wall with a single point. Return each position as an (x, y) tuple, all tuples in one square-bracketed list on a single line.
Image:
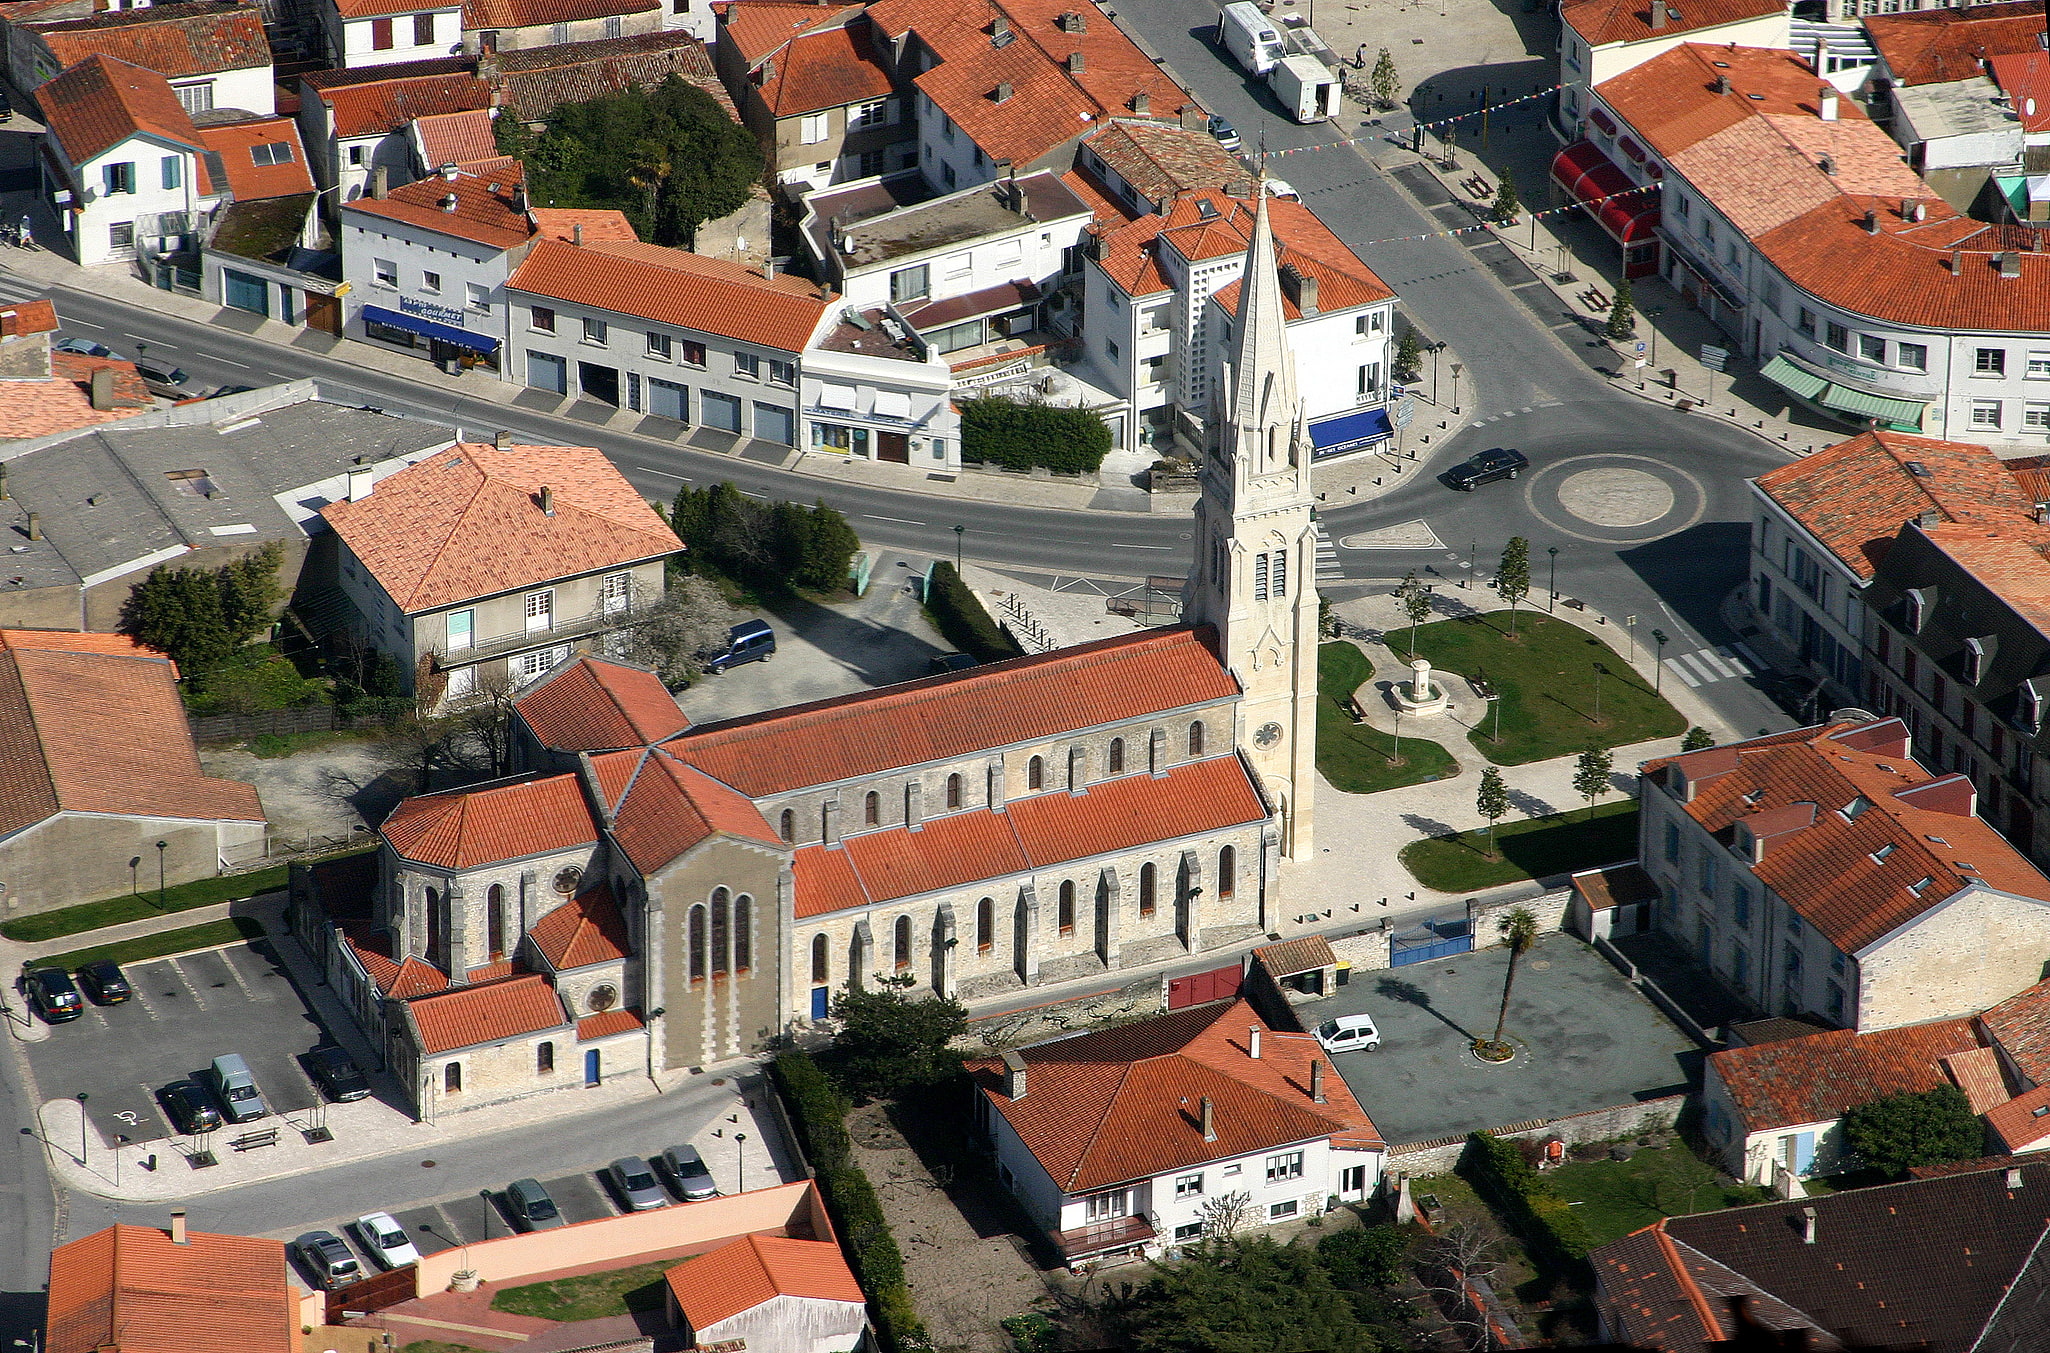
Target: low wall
[(1550, 910), (1596, 1125)]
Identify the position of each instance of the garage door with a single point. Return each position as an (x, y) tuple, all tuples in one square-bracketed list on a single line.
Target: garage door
[(775, 424), (667, 399), (719, 411), (1219, 984), (244, 292), (545, 371)]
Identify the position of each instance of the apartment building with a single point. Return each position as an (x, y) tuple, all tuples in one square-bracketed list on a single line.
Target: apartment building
[(385, 32), (811, 86), (1601, 39), (213, 53), (509, 25), (356, 122)]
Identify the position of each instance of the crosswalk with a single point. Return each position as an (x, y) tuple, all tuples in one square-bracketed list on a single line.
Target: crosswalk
[(15, 287), (1328, 568), (1724, 662)]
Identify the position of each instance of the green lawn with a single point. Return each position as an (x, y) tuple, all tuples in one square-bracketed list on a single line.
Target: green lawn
[(592, 1296), (1537, 847), (49, 925), (209, 936), (1547, 679), (1617, 1197), (1352, 756)]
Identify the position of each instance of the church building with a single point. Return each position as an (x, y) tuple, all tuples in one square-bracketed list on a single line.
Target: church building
[(646, 894)]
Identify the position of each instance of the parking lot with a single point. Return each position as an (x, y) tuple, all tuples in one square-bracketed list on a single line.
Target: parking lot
[(1585, 1040), (187, 1011)]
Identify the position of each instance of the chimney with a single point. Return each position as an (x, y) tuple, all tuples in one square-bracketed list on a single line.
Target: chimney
[(1807, 1226), (576, 233), (1253, 1040), (502, 440), (519, 198), (103, 388), (1317, 1080), (1074, 21), (1828, 100), (769, 268), (178, 1234), (360, 484), (2014, 1179), (1299, 287), (999, 25), (547, 501), (1142, 104), (448, 173), (1722, 84), (2009, 263), (1077, 63), (1871, 223), (448, 202), (35, 526), (1014, 1074), (1827, 164), (1209, 1120), (380, 178), (1002, 93), (1658, 13), (1957, 262)]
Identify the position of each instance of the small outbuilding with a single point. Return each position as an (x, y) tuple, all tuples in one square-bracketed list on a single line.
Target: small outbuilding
[(769, 1294)]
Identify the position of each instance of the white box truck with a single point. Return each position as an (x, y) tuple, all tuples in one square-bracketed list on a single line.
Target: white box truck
[(1305, 87), (1250, 36)]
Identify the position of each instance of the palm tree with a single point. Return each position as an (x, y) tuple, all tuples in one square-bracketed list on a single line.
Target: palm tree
[(1519, 932)]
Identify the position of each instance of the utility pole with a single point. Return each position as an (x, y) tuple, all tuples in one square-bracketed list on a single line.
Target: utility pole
[(1658, 670)]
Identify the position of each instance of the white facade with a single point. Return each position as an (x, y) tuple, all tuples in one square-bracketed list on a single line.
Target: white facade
[(1582, 67), (1035, 251), (397, 266), (694, 17), (251, 87), (126, 193), (947, 155), (1808, 597), (857, 405), (385, 39)]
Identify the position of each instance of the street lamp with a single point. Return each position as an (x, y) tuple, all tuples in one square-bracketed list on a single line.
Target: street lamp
[(1630, 624), (740, 1155), (34, 1342), (1658, 669), (959, 531), (653, 1015), (162, 846), (1553, 604), (119, 1142), (1456, 369), (82, 1124)]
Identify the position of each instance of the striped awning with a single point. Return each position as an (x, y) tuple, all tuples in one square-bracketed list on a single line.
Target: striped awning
[(1899, 415)]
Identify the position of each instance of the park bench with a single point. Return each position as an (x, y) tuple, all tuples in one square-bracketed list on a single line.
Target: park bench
[(250, 1141)]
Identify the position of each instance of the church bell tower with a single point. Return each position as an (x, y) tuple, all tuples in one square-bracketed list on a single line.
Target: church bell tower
[(1254, 576)]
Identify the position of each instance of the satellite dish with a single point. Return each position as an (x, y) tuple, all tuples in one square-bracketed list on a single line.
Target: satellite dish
[(2030, 107)]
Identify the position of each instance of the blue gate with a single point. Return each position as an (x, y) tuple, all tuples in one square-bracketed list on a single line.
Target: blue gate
[(1432, 939)]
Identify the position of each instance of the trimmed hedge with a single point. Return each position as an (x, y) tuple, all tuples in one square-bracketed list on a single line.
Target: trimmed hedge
[(961, 619), (819, 1113), (1545, 1221), (1021, 436)]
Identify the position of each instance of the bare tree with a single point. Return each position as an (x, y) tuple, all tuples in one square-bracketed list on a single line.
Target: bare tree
[(671, 633), (1459, 1266), (417, 745), (430, 683), (485, 720), (1225, 1214)]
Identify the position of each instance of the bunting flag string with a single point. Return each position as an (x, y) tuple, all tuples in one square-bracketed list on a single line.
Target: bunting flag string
[(1521, 215), (1381, 133)]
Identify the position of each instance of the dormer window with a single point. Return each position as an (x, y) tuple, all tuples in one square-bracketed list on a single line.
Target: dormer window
[(1975, 660), (1917, 603), (1851, 810), (1920, 885), (1879, 855)]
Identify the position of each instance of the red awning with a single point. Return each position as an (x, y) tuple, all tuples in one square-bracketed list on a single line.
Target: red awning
[(1631, 148), (1602, 120), (1627, 211)]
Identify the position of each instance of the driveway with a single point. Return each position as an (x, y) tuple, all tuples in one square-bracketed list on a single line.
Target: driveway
[(1585, 1040)]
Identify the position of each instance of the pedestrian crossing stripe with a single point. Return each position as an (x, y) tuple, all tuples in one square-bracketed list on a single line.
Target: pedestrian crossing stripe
[(1329, 570), (1707, 665)]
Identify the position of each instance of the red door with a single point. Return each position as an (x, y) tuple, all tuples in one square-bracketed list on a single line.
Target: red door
[(1219, 984)]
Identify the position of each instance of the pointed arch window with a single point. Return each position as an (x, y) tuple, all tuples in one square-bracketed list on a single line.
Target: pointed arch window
[(1117, 757), (696, 941), (1149, 886), (1068, 907), (953, 791), (494, 920), (902, 945), (1227, 871), (722, 930), (743, 920), (1195, 739), (1035, 774), (872, 809), (786, 826), (821, 960), (985, 925)]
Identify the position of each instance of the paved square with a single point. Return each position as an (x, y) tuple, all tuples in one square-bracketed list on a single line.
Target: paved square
[(1586, 1040)]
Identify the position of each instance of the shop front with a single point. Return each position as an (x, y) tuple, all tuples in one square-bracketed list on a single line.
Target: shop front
[(437, 329)]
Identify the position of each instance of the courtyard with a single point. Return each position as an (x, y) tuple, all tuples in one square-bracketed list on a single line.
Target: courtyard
[(1585, 1040)]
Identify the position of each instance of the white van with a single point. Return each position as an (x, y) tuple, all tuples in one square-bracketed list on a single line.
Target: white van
[(1305, 87), (1250, 36)]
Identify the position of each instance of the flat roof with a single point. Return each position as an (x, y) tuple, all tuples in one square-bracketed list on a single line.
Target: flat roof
[(898, 230)]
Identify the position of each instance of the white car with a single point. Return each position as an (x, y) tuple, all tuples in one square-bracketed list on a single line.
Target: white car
[(385, 1240), (1281, 188), (1348, 1033)]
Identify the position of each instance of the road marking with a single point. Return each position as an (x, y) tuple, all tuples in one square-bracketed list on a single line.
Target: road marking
[(240, 981), (1708, 665), (1120, 545), (144, 1001), (749, 493), (82, 324), (649, 469), (225, 362), (186, 982), (901, 521)]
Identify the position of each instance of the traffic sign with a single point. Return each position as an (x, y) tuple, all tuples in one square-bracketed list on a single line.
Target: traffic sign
[(1405, 412), (1641, 345), (1713, 357)]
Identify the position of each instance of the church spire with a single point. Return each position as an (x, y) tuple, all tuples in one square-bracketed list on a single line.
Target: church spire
[(1263, 392)]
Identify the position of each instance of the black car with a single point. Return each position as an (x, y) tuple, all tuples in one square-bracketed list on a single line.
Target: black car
[(105, 982), (1486, 468), (338, 1074), (53, 995), (191, 1108)]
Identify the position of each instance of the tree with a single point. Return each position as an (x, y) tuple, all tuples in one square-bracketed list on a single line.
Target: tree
[(1416, 605), (485, 719), (671, 634), (1507, 205), (1512, 576), (1492, 801), (200, 616), (1244, 1296), (1696, 739), (1225, 1214), (1519, 931), (1895, 1133), (1591, 774), (1622, 325), (1383, 82), (1460, 1259), (416, 744), (830, 544), (1019, 434), (1409, 355), (889, 1042)]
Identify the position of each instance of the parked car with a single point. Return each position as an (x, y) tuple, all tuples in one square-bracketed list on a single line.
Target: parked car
[(1283, 189), (638, 1188), (1348, 1033), (1486, 468), (85, 347), (190, 1107), (749, 641), (106, 982), (163, 379), (231, 390), (236, 1087), (948, 662), (53, 995), (339, 1077), (384, 1240), (531, 1207), (327, 1259), (687, 1168), (1226, 134)]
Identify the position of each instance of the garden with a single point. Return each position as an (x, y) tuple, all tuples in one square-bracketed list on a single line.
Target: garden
[(1354, 757), (1534, 848), (588, 1296)]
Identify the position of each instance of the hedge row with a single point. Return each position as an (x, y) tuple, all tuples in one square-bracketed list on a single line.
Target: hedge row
[(819, 1114), (962, 621), (1545, 1221), (1020, 436)]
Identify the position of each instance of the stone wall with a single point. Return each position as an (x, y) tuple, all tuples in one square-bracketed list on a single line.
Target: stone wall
[(1596, 1125)]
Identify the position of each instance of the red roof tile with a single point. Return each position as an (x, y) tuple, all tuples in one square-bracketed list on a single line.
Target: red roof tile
[(963, 713), (2022, 1123), (803, 58), (528, 13), (592, 704), (1815, 1079), (742, 1274), (237, 143), (1826, 871), (193, 38), (491, 972), (706, 294), (607, 1024), (1976, 1071), (1162, 159), (1304, 954), (37, 408), (1124, 1104), (130, 1288), (532, 80), (464, 1017), (456, 138), (27, 317), (372, 949), (75, 641), (1600, 22), (1937, 46), (380, 107), (468, 522), (1203, 226), (102, 101), (599, 225), (671, 807), (484, 208), (364, 9), (2021, 1025), (416, 977), (582, 932), (463, 828)]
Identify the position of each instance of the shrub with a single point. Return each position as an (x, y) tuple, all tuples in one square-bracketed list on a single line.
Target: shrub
[(776, 545), (962, 621), (1895, 1133), (1019, 436), (1546, 1222)]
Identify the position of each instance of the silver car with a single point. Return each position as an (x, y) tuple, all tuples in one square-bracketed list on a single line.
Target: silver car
[(687, 1168), (636, 1184)]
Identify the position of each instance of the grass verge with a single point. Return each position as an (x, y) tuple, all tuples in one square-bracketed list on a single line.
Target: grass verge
[(590, 1296), (86, 916), (1535, 848), (1547, 677), (1352, 756), (208, 936), (1616, 1197)]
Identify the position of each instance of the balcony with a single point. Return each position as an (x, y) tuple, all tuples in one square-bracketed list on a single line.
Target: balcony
[(1118, 1233), (562, 630)]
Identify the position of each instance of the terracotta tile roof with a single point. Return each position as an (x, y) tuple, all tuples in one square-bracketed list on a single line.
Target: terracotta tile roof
[(1125, 1104), (1937, 46), (1160, 159), (131, 1288), (1305, 954), (343, 76), (607, 1024), (1106, 210), (527, 13), (456, 138), (582, 932), (76, 641), (416, 977), (491, 972), (1826, 871), (709, 295), (533, 80), (1854, 496), (92, 732), (463, 1017), (2022, 1123), (2024, 77), (2021, 1026), (484, 212), (508, 820), (672, 806), (372, 948), (802, 58), (383, 106), (2009, 564), (468, 522), (1815, 1079), (27, 317), (592, 704), (601, 225), (194, 38), (963, 713), (1210, 225), (1128, 255), (236, 143), (1617, 886), (1600, 22), (37, 408), (102, 101), (742, 1274), (1975, 1166), (1976, 1071), (365, 9)]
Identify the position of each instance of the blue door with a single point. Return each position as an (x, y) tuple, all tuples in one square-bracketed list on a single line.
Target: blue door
[(244, 292), (820, 1002), (591, 1073), (1804, 1153)]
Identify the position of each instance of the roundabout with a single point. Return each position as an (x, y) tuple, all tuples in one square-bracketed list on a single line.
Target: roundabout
[(1615, 498)]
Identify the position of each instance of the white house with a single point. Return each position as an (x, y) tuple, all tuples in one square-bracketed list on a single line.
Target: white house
[(1601, 39), (212, 51), (774, 1294), (1133, 1140), (872, 390), (508, 25), (381, 32), (356, 122)]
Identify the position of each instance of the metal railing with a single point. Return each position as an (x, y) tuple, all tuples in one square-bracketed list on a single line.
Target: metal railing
[(560, 628)]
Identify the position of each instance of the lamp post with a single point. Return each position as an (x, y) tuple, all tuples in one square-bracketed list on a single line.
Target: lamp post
[(959, 531), (740, 1160), (1630, 624), (1651, 314), (34, 1342), (1456, 369), (653, 1015), (119, 1142), (82, 1125), (1658, 669), (1553, 605), (162, 846)]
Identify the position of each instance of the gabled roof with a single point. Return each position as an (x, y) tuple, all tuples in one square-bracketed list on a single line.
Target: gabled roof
[(21, 318), (2022, 1123), (671, 807), (237, 143), (367, 9), (464, 1017), (131, 1288), (507, 820), (2021, 1025), (532, 80), (945, 717), (102, 101), (1126, 1104), (416, 977), (706, 294), (379, 107), (198, 37), (486, 208), (1204, 226), (1160, 159), (1936, 46), (469, 522), (1815, 1079), (455, 138), (1600, 22), (599, 225), (479, 14), (742, 1274), (592, 704), (581, 932), (802, 58)]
